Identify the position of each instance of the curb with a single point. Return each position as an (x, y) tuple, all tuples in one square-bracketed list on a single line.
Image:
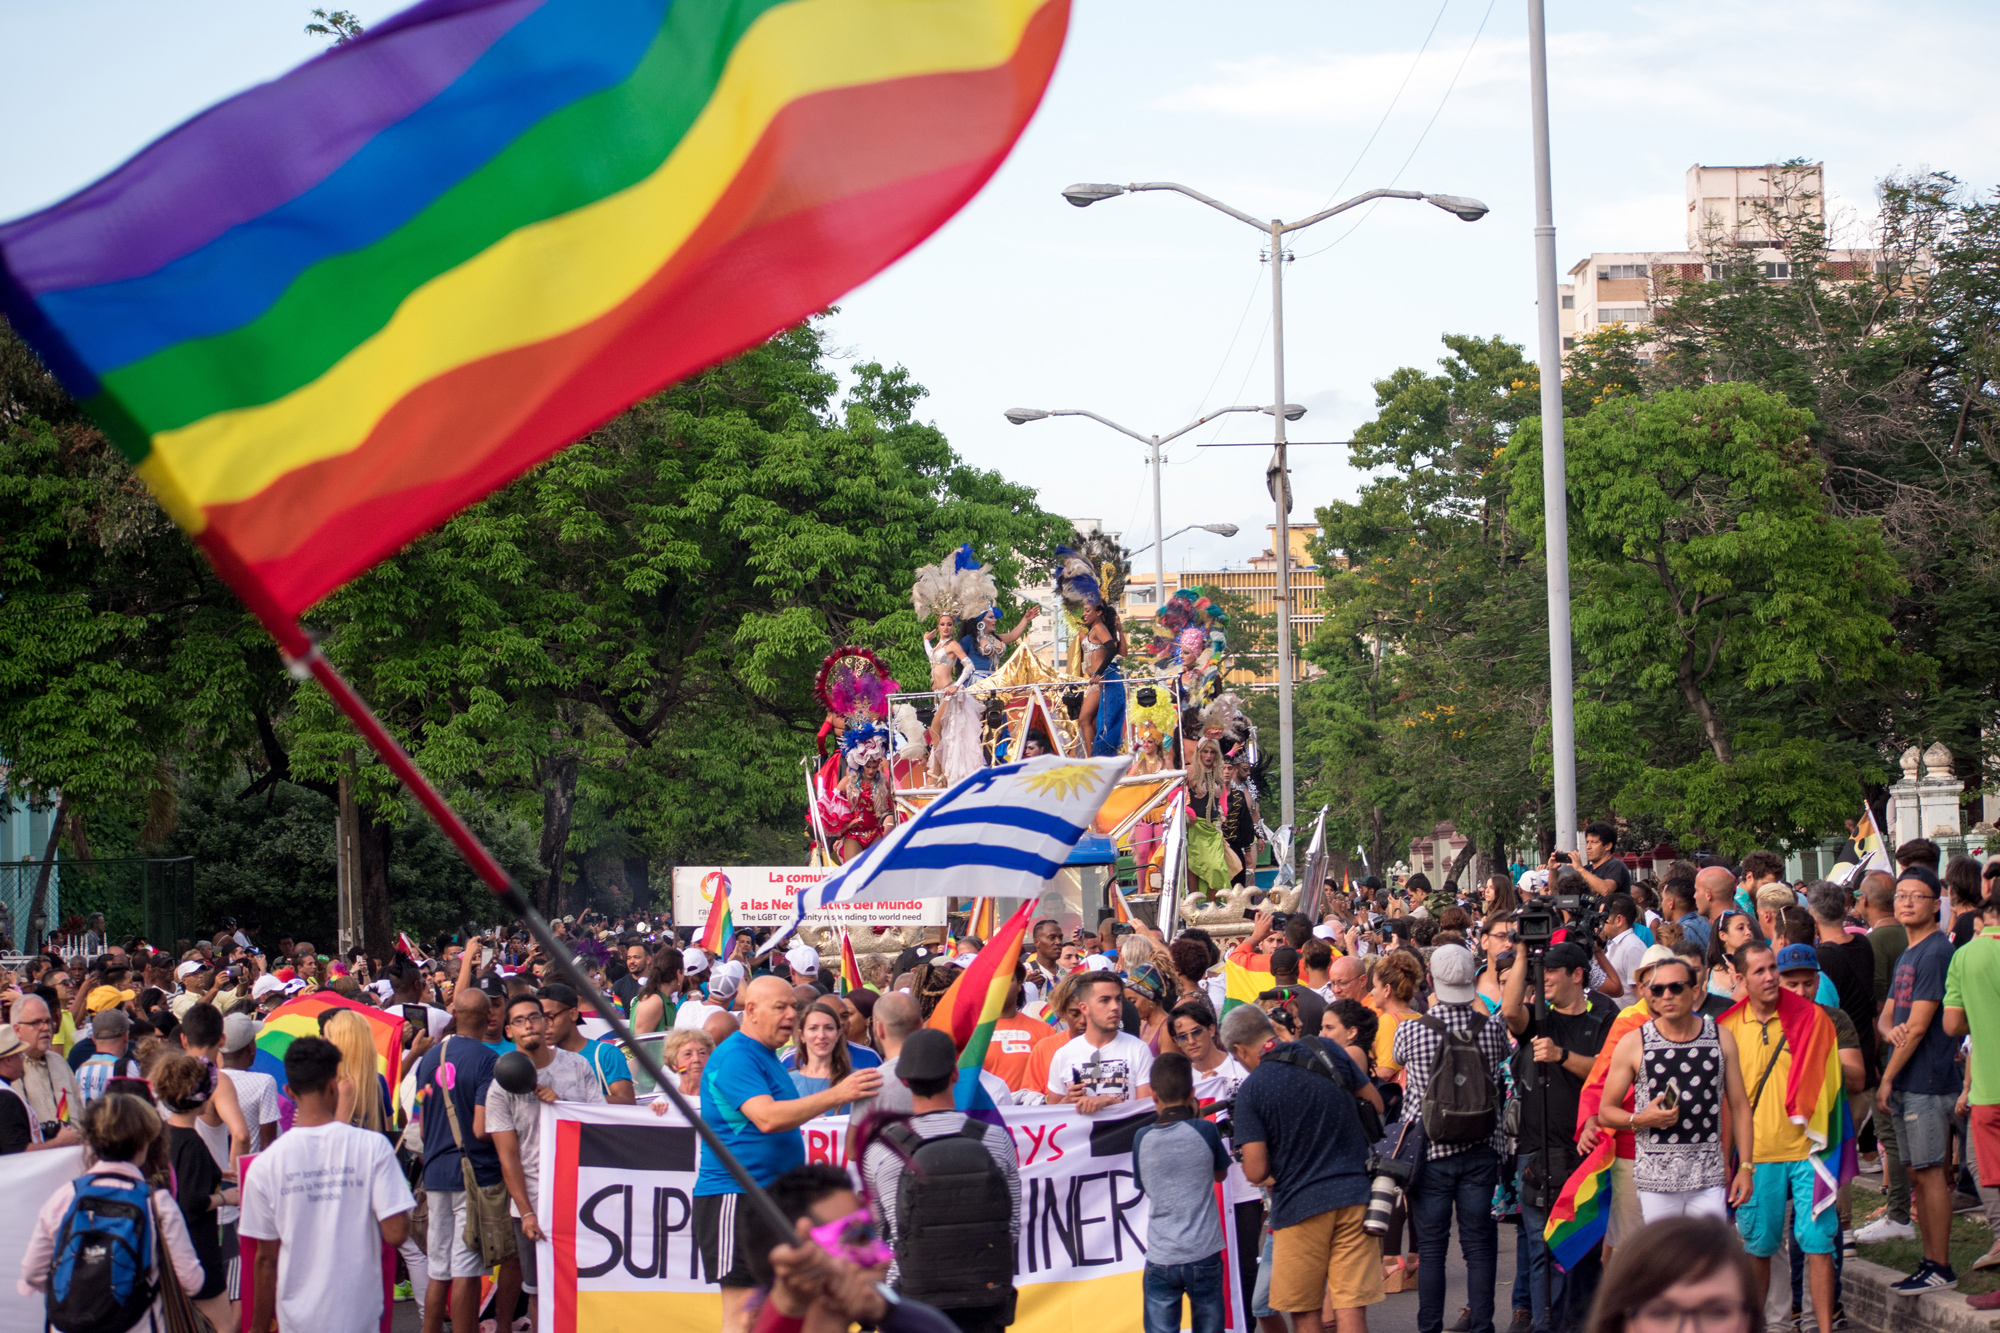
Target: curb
[(1871, 1305)]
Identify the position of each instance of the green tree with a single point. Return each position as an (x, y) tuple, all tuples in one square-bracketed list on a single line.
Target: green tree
[(1708, 570)]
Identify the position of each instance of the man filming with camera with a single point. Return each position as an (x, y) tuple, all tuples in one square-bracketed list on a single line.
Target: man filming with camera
[(1557, 1042)]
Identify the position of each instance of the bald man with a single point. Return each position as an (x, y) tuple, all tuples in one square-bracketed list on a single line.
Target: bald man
[(1347, 979), (750, 1101), (1714, 894)]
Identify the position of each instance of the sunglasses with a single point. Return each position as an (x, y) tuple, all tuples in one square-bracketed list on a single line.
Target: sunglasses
[(1667, 988)]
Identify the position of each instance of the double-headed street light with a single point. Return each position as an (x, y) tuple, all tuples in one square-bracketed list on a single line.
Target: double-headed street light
[(1275, 231), (1021, 416)]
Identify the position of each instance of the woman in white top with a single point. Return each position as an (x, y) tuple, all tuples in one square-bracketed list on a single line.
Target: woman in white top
[(123, 1137)]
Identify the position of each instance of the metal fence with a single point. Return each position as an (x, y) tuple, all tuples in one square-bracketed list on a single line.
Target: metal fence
[(149, 896)]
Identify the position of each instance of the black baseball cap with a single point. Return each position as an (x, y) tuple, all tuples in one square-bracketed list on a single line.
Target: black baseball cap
[(927, 1054)]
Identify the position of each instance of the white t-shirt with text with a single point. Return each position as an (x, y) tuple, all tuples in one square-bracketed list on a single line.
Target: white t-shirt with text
[(1118, 1069), (320, 1191)]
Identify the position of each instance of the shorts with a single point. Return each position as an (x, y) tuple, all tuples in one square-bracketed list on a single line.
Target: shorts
[(232, 1255), (450, 1257), (1625, 1219), (525, 1248), (1326, 1259), (1260, 1293), (1710, 1202), (1923, 1128), (1761, 1218), (719, 1235), (1986, 1143)]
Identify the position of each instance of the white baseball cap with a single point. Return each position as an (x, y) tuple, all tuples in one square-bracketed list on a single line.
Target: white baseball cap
[(1096, 962), (1326, 930), (188, 969), (265, 985), (694, 962), (804, 959)]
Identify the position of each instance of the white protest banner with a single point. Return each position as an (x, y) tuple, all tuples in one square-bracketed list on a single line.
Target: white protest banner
[(762, 896), (27, 1180), (617, 1199)]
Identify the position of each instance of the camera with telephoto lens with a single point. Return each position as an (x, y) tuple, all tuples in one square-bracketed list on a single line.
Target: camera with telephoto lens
[(1225, 1125), (1387, 1178)]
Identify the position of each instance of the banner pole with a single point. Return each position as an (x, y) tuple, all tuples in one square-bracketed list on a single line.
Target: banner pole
[(312, 664)]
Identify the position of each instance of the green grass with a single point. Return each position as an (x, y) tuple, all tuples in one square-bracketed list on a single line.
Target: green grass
[(1969, 1240)]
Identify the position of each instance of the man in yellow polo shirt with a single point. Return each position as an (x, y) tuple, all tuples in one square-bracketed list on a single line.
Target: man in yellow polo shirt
[(1779, 1153)]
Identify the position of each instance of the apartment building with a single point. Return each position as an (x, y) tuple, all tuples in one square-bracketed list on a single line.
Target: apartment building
[(1730, 211)]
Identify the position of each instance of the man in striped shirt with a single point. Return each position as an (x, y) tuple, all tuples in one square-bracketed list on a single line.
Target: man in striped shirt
[(111, 1034)]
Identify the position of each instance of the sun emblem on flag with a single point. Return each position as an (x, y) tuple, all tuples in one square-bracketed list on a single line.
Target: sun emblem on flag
[(1065, 781)]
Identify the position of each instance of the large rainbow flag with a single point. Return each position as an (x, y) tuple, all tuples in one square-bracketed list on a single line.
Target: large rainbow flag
[(305, 1016), (971, 1008), (326, 314), (1582, 1211)]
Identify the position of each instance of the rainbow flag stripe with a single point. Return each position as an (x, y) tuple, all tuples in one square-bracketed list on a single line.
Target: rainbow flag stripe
[(303, 1018), (850, 971), (1583, 1210), (971, 1008), (326, 314), (1242, 985)]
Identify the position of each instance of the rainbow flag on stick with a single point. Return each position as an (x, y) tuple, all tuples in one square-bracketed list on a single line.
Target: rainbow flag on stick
[(325, 315), (720, 928), (850, 971), (972, 1006)]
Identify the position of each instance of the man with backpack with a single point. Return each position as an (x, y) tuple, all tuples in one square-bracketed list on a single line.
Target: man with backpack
[(1453, 1059), (1298, 1126), (953, 1220)]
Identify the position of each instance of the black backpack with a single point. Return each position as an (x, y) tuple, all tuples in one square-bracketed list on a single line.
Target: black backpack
[(953, 1216), (1458, 1101)]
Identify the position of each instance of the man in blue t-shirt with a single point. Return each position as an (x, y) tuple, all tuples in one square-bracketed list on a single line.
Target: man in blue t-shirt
[(1920, 1081), (452, 1080), (751, 1103)]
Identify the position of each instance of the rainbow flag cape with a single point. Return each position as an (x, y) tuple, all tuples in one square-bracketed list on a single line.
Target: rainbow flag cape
[(328, 313), (1816, 1094), (850, 971), (304, 1017), (720, 928), (971, 1008), (1582, 1211)]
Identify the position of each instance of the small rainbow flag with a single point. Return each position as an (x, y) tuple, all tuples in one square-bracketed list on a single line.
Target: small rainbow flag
[(981, 921), (720, 928), (850, 971), (330, 312), (971, 1008), (1583, 1210)]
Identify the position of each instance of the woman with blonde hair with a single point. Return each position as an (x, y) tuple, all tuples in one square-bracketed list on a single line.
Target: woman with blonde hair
[(1397, 978), (122, 1139), (364, 1093), (686, 1052)]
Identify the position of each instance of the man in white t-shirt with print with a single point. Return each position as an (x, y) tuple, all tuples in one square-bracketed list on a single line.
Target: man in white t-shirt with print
[(515, 1122), (1106, 1065), (320, 1203)]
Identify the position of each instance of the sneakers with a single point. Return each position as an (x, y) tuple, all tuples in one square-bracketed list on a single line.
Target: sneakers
[(1839, 1320), (1928, 1277), (1885, 1228), (403, 1292)]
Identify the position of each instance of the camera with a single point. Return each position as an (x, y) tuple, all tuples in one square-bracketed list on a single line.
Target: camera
[(1225, 1124), (1535, 925), (1388, 1177)]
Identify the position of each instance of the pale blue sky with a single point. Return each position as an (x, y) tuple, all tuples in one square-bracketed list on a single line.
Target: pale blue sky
[(1153, 309)]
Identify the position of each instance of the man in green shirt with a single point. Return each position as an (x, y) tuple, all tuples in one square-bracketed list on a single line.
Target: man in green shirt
[(1972, 1008)]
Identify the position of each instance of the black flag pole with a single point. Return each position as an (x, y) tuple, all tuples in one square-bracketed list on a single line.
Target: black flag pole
[(312, 664)]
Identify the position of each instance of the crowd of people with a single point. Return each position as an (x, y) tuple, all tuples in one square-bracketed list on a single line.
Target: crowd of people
[(1358, 1089)]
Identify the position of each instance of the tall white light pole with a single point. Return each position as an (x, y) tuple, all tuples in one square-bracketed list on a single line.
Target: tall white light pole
[(1555, 495), (1021, 416), (1275, 231)]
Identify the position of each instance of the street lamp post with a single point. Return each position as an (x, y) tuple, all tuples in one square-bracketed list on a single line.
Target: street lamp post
[(1021, 416), (1219, 529), (1279, 478)]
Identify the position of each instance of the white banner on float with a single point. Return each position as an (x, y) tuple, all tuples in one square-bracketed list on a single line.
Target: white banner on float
[(762, 896)]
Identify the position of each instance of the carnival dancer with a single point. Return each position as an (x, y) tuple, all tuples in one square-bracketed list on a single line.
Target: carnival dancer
[(851, 791), (1101, 720), (1147, 760), (958, 593)]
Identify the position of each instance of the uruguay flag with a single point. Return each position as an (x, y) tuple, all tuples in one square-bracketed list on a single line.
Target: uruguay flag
[(998, 834)]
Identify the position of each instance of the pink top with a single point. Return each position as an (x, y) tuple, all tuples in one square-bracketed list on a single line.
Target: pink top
[(172, 1236)]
